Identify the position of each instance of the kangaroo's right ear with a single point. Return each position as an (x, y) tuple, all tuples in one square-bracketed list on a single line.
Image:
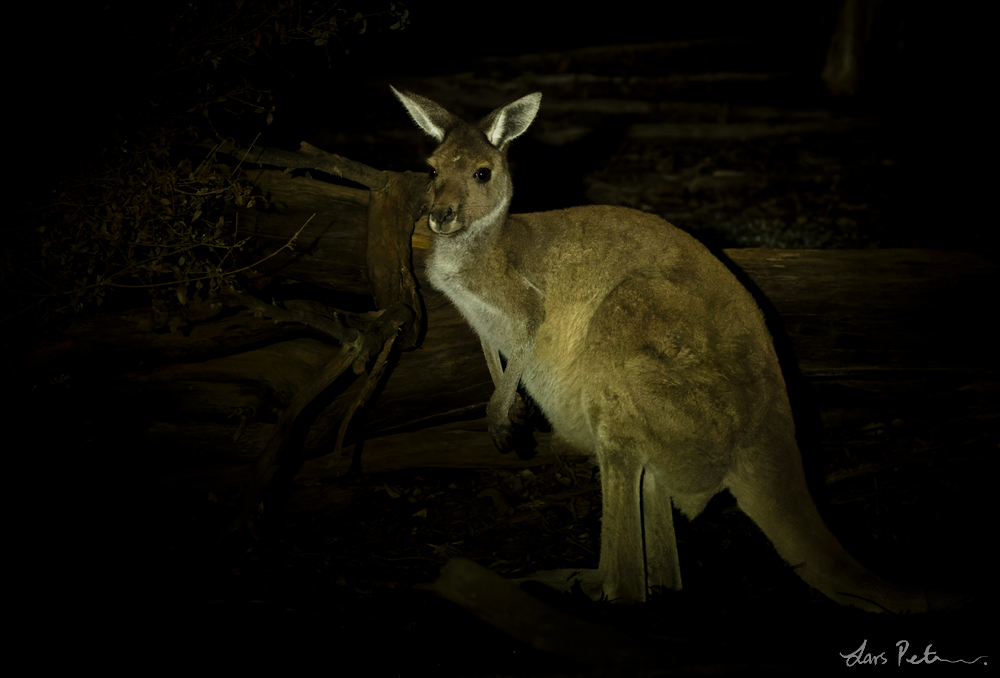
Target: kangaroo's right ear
[(429, 116), (511, 121)]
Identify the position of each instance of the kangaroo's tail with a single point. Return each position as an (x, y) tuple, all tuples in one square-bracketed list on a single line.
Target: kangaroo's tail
[(771, 489)]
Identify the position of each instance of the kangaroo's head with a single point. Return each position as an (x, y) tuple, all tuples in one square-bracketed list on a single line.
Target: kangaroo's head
[(471, 187)]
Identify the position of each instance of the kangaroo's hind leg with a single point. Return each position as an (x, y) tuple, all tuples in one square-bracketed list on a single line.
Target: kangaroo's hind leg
[(662, 564), (622, 569), (621, 574)]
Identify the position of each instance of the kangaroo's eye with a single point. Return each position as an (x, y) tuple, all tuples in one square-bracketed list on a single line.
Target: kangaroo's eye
[(482, 175), (432, 172)]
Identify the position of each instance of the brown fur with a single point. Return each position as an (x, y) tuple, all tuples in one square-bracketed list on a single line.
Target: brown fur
[(639, 346)]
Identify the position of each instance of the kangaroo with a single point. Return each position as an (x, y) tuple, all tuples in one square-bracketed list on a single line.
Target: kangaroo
[(639, 346)]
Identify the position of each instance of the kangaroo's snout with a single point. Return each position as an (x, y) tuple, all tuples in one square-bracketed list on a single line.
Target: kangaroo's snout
[(442, 220)]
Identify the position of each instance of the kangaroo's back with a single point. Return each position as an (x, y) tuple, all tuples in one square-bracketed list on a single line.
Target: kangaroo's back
[(639, 346)]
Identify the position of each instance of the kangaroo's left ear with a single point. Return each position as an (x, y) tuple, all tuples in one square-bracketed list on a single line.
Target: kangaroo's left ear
[(511, 121)]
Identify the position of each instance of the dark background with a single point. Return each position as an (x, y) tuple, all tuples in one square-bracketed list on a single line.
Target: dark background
[(86, 79), (93, 66)]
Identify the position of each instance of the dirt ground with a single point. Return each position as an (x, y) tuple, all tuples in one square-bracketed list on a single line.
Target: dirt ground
[(344, 563)]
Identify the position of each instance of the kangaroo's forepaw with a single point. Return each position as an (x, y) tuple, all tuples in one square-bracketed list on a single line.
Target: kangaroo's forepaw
[(514, 433)]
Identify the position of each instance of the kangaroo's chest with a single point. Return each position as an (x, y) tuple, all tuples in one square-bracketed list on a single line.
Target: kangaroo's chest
[(504, 311), (546, 322), (499, 329)]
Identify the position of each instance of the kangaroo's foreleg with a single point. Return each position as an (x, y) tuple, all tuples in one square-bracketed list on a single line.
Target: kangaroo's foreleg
[(493, 363), (506, 412)]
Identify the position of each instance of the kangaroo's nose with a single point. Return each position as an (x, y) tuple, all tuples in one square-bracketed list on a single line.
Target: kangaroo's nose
[(443, 215)]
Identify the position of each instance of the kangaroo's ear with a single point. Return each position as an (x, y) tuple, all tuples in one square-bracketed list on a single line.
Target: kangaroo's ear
[(509, 122), (429, 116)]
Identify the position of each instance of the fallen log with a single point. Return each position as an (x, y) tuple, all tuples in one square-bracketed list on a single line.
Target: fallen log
[(213, 395), (502, 604)]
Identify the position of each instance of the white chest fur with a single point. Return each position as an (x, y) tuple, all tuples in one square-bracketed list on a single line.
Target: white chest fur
[(492, 323)]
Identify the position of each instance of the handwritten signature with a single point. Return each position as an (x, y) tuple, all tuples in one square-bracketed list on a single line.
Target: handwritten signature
[(862, 656)]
